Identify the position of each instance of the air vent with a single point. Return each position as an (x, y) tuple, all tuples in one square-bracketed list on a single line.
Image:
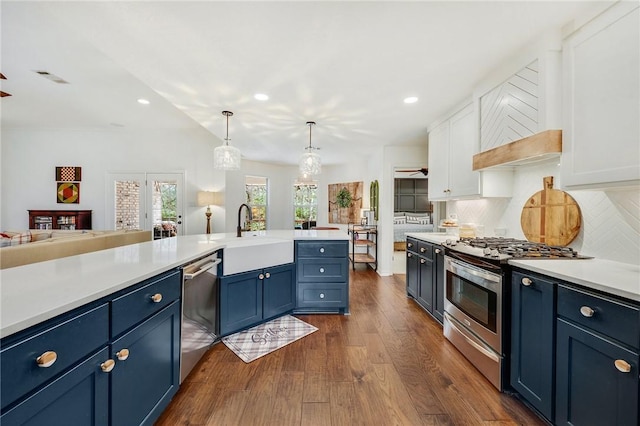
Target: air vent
[(52, 77)]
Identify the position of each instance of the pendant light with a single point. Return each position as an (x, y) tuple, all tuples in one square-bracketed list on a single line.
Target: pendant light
[(226, 157), (310, 163)]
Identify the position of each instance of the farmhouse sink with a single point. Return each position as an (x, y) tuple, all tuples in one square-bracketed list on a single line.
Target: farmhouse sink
[(253, 252)]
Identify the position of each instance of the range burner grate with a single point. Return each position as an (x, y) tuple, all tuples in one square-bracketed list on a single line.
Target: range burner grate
[(522, 249)]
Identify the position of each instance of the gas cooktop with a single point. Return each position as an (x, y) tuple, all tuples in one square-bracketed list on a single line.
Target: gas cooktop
[(500, 248)]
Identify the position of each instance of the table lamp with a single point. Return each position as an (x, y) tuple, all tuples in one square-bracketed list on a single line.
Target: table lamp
[(207, 198)]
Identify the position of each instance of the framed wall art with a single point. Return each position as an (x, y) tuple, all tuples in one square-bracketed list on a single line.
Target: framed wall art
[(345, 202)]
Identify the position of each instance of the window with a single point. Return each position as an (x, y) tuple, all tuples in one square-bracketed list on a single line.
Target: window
[(305, 204), (256, 198)]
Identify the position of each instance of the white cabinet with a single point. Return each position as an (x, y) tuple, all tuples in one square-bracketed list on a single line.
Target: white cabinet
[(601, 141), (452, 145), (451, 148)]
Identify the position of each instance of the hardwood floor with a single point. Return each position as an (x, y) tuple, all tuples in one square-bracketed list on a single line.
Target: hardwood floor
[(385, 364)]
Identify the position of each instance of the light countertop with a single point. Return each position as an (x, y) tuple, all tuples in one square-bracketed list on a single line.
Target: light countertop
[(432, 237), (621, 279), (37, 292)]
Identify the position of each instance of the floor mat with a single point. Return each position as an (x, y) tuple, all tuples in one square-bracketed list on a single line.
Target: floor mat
[(265, 338)]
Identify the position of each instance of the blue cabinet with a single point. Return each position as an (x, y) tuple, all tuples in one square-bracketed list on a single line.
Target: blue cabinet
[(147, 375), (113, 362), (250, 297), (78, 397), (597, 359), (532, 338), (425, 276), (322, 276)]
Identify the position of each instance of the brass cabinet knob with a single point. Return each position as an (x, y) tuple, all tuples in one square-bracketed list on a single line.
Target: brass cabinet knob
[(321, 295), (409, 245), (322, 270), (526, 282), (622, 365), (321, 249), (422, 249), (122, 354), (156, 298), (108, 365), (261, 276), (587, 311), (438, 251), (423, 261), (47, 359), (268, 275), (409, 255)]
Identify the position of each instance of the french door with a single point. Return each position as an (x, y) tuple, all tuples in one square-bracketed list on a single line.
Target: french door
[(148, 201)]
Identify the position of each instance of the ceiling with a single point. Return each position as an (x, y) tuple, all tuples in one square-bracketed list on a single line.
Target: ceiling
[(345, 65)]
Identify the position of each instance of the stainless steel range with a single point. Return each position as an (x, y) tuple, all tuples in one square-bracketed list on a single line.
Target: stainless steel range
[(477, 296)]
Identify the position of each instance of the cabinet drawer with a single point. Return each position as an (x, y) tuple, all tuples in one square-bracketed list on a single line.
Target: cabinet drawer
[(322, 270), (607, 316), (133, 307), (425, 249), (322, 249), (322, 295), (71, 340)]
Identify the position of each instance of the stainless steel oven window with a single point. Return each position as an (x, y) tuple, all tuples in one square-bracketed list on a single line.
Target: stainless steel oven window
[(477, 302)]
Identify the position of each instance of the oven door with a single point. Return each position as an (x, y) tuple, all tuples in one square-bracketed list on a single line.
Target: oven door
[(473, 296)]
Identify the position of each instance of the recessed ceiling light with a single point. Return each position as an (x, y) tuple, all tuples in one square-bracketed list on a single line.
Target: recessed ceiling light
[(410, 100), (261, 96), (143, 101)]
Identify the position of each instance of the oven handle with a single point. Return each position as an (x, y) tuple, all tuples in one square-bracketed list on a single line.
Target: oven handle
[(475, 262), (479, 346)]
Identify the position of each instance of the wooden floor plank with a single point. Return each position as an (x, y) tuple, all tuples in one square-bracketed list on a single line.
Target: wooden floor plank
[(387, 363)]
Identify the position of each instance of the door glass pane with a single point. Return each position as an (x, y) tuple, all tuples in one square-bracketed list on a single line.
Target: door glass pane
[(305, 204), (127, 204), (256, 198), (164, 208)]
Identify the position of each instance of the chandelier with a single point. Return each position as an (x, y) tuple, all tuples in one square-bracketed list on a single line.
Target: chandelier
[(310, 163), (226, 157)]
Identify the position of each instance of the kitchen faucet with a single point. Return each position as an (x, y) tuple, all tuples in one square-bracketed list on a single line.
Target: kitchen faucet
[(239, 228)]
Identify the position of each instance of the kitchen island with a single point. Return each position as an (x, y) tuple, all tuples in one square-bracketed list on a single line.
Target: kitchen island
[(95, 338)]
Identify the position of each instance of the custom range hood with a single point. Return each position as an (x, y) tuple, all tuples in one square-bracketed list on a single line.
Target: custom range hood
[(532, 149)]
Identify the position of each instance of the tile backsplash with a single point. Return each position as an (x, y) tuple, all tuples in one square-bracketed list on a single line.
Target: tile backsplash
[(610, 219)]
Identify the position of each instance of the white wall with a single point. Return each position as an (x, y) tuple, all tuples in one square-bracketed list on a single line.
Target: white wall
[(29, 158)]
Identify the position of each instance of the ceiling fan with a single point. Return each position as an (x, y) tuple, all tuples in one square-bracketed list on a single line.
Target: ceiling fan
[(423, 170), (3, 94)]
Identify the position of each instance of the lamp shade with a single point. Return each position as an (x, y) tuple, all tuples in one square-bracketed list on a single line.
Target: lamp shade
[(206, 198), (310, 164)]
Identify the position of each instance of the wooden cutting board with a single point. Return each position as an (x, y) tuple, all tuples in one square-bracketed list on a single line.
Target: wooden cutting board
[(551, 216)]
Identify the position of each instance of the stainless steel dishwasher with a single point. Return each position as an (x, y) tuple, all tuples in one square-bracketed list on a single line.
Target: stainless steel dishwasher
[(200, 326)]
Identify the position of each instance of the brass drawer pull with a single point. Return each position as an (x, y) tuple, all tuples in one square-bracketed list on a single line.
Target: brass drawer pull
[(261, 276), (622, 365), (156, 298), (122, 354), (47, 359), (321, 249), (409, 245), (587, 311), (438, 251), (526, 282), (409, 255), (322, 270), (422, 249), (321, 295), (267, 275), (108, 365), (423, 261)]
